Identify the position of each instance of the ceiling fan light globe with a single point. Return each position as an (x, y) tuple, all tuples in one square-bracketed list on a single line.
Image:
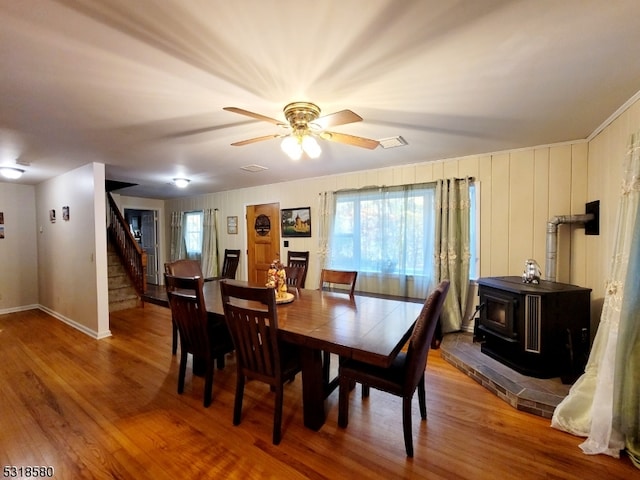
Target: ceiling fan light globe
[(11, 173), (311, 147), (181, 182), (291, 147)]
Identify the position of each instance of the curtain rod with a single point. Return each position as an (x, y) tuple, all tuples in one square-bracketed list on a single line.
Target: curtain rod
[(371, 187)]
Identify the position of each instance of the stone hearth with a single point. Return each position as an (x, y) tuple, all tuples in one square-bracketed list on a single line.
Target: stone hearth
[(534, 395)]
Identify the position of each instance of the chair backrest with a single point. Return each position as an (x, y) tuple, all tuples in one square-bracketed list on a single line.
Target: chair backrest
[(230, 264), (300, 260), (189, 313), (422, 335), (341, 277), (252, 319), (294, 276), (183, 268)]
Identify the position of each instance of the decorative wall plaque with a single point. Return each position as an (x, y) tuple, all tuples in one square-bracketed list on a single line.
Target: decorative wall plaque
[(262, 225), (232, 225)]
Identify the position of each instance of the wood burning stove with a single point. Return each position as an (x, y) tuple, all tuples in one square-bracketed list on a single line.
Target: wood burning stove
[(539, 330)]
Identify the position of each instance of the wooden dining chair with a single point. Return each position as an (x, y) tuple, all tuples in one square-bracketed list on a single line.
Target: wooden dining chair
[(294, 276), (230, 263), (181, 268), (198, 336), (260, 355), (338, 277), (300, 260), (335, 277), (405, 374)]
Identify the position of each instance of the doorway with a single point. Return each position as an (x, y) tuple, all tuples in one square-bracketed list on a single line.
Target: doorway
[(144, 227), (263, 240)]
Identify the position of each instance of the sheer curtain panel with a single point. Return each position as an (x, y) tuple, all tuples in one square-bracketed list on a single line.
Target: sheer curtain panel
[(386, 234), (603, 405)]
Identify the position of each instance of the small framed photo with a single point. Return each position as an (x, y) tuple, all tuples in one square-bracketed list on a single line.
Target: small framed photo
[(232, 225), (296, 222), (65, 213), (52, 215)]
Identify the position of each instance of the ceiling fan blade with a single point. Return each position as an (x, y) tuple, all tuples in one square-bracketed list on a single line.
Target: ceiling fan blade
[(254, 140), (257, 116), (350, 140), (338, 118)]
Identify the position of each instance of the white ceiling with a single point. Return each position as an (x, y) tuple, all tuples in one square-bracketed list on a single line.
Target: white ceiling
[(140, 85)]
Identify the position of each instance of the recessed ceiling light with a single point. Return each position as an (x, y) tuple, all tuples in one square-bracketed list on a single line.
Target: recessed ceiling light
[(10, 172), (181, 182), (393, 142)]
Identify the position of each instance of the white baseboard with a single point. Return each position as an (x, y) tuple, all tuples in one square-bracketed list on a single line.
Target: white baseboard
[(76, 325)]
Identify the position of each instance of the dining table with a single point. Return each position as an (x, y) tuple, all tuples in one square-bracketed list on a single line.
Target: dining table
[(366, 328)]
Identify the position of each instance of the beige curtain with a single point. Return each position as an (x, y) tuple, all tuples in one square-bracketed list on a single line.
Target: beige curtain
[(210, 243), (177, 246), (326, 203), (603, 404), (452, 248)]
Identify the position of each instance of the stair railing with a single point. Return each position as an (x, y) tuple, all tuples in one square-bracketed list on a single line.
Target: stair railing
[(132, 256)]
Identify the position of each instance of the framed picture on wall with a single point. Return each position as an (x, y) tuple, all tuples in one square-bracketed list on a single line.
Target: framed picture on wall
[(52, 215), (232, 225), (296, 222)]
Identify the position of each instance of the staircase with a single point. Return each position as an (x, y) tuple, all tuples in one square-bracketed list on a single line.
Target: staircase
[(122, 295)]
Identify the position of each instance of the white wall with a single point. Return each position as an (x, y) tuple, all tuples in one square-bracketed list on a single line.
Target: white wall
[(72, 255), (18, 248)]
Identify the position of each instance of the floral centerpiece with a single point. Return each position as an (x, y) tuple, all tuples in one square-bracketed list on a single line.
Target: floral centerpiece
[(277, 279)]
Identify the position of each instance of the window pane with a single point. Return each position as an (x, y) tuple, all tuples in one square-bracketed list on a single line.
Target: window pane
[(193, 234), (344, 218)]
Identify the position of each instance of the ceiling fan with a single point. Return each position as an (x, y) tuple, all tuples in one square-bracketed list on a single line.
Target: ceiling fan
[(304, 125)]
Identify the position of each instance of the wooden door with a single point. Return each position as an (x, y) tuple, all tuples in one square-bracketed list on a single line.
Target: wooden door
[(263, 240)]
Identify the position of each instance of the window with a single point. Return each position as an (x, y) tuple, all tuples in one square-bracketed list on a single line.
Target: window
[(193, 234), (389, 234), (384, 231)]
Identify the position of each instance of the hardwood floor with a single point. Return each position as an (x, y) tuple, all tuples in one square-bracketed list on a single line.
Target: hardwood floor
[(109, 409)]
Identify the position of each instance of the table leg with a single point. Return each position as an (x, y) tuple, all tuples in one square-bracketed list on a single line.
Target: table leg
[(313, 394)]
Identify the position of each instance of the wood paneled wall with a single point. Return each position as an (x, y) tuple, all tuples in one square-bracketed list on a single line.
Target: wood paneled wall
[(520, 191)]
